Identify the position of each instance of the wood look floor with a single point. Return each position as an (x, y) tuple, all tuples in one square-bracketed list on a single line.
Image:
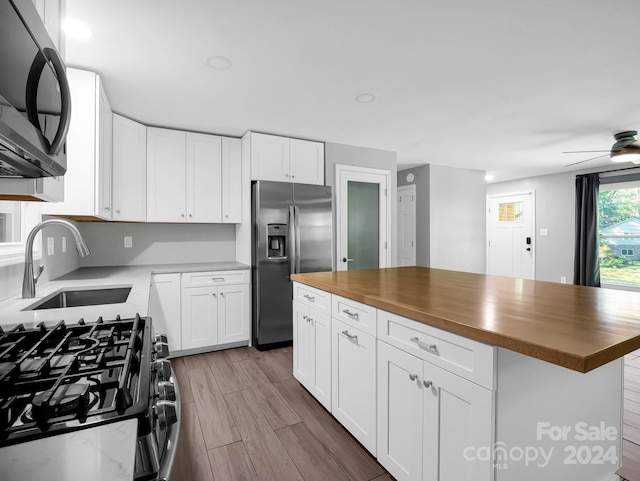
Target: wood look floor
[(630, 469), (244, 417)]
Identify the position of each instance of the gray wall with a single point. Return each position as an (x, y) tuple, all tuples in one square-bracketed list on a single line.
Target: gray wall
[(555, 211), (364, 157), (157, 243), (450, 219)]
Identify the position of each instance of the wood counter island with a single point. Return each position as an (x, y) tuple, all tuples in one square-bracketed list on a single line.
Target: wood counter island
[(475, 377)]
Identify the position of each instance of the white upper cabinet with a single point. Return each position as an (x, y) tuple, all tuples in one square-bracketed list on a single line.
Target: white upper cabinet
[(129, 170), (231, 180), (282, 159), (193, 177), (87, 185)]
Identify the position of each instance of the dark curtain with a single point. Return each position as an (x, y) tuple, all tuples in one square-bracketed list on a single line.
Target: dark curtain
[(586, 264)]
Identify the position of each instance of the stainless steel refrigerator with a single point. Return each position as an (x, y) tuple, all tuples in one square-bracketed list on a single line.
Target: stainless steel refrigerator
[(292, 230)]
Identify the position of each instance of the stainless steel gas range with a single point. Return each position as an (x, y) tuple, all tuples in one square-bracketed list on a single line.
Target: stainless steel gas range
[(59, 379)]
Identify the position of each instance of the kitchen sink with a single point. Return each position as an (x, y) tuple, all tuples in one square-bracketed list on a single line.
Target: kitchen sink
[(76, 297)]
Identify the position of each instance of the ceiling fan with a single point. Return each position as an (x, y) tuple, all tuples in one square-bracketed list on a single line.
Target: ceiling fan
[(625, 149)]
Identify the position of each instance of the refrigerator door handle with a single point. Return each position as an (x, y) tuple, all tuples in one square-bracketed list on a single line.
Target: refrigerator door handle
[(292, 240), (296, 211)]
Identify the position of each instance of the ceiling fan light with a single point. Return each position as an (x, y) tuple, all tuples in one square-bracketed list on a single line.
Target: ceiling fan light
[(626, 156)]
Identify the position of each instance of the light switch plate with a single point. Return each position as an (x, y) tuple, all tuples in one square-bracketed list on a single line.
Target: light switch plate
[(128, 242), (51, 246), (544, 232)]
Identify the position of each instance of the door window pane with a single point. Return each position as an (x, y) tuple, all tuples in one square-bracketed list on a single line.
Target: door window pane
[(363, 225), (510, 212)]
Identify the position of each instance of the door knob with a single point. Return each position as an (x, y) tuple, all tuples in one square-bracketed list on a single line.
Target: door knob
[(344, 259)]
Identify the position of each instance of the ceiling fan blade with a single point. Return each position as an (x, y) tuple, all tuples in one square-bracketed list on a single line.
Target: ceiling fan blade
[(583, 151), (587, 160)]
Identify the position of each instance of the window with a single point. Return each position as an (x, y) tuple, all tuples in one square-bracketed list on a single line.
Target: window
[(619, 230), (16, 221), (510, 212)]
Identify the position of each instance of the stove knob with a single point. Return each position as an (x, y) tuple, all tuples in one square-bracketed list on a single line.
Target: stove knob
[(166, 391), (163, 369), (167, 413), (162, 350), (161, 338)]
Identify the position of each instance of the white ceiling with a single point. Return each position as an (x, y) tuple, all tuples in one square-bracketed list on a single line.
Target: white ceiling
[(498, 85)]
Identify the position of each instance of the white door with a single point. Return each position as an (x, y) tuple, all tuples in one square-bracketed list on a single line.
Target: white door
[(510, 235), (363, 218), (407, 225)]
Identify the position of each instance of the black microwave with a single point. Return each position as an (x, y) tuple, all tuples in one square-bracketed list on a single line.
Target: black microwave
[(35, 102)]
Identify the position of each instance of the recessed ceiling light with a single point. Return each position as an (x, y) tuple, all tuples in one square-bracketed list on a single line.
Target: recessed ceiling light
[(365, 98), (488, 177), (76, 29), (219, 62)]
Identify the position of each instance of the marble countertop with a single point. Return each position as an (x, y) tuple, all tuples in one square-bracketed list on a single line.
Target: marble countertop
[(15, 311), (104, 453)]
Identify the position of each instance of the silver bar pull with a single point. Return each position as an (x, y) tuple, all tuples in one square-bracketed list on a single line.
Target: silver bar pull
[(217, 279), (296, 212), (433, 347), (413, 377), (291, 240), (350, 314), (309, 298), (353, 337)]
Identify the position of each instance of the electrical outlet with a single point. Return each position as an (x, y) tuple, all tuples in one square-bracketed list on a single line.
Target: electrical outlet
[(544, 232), (51, 246), (563, 280), (128, 242), (63, 246)]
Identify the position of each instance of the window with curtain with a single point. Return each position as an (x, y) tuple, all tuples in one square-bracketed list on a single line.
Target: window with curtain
[(619, 234)]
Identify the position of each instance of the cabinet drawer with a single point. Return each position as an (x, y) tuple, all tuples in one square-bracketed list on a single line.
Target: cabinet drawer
[(214, 278), (465, 357), (354, 313), (310, 296)]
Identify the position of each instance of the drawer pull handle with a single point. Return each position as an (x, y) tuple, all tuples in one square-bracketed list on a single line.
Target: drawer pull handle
[(420, 343), (413, 377), (218, 279), (350, 314), (309, 298), (427, 384), (353, 337)]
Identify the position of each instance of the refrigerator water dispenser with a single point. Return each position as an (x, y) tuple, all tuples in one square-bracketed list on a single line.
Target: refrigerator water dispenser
[(276, 241)]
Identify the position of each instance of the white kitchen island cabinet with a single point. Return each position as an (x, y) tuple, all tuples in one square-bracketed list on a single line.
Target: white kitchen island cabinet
[(312, 342), (478, 379), (129, 170)]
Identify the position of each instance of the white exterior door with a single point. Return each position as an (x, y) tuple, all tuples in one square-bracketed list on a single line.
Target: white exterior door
[(510, 232), (407, 225)]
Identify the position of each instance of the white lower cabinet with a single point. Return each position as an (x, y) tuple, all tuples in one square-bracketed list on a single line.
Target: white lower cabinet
[(164, 308), (201, 310), (353, 381), (430, 420), (312, 351)]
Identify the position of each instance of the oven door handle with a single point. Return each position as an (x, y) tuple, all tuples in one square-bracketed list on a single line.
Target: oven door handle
[(173, 432)]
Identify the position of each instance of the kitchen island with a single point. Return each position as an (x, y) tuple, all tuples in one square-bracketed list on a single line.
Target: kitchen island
[(478, 377)]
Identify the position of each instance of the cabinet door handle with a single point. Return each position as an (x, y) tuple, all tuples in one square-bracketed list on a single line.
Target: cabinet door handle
[(433, 347), (222, 294), (350, 314), (107, 208), (190, 215), (353, 337), (413, 377), (427, 384), (214, 295), (309, 298), (118, 211), (182, 215)]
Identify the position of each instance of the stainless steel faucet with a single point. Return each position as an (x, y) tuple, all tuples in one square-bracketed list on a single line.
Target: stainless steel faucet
[(29, 279)]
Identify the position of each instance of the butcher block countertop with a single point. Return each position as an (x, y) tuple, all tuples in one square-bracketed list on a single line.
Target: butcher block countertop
[(580, 328)]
